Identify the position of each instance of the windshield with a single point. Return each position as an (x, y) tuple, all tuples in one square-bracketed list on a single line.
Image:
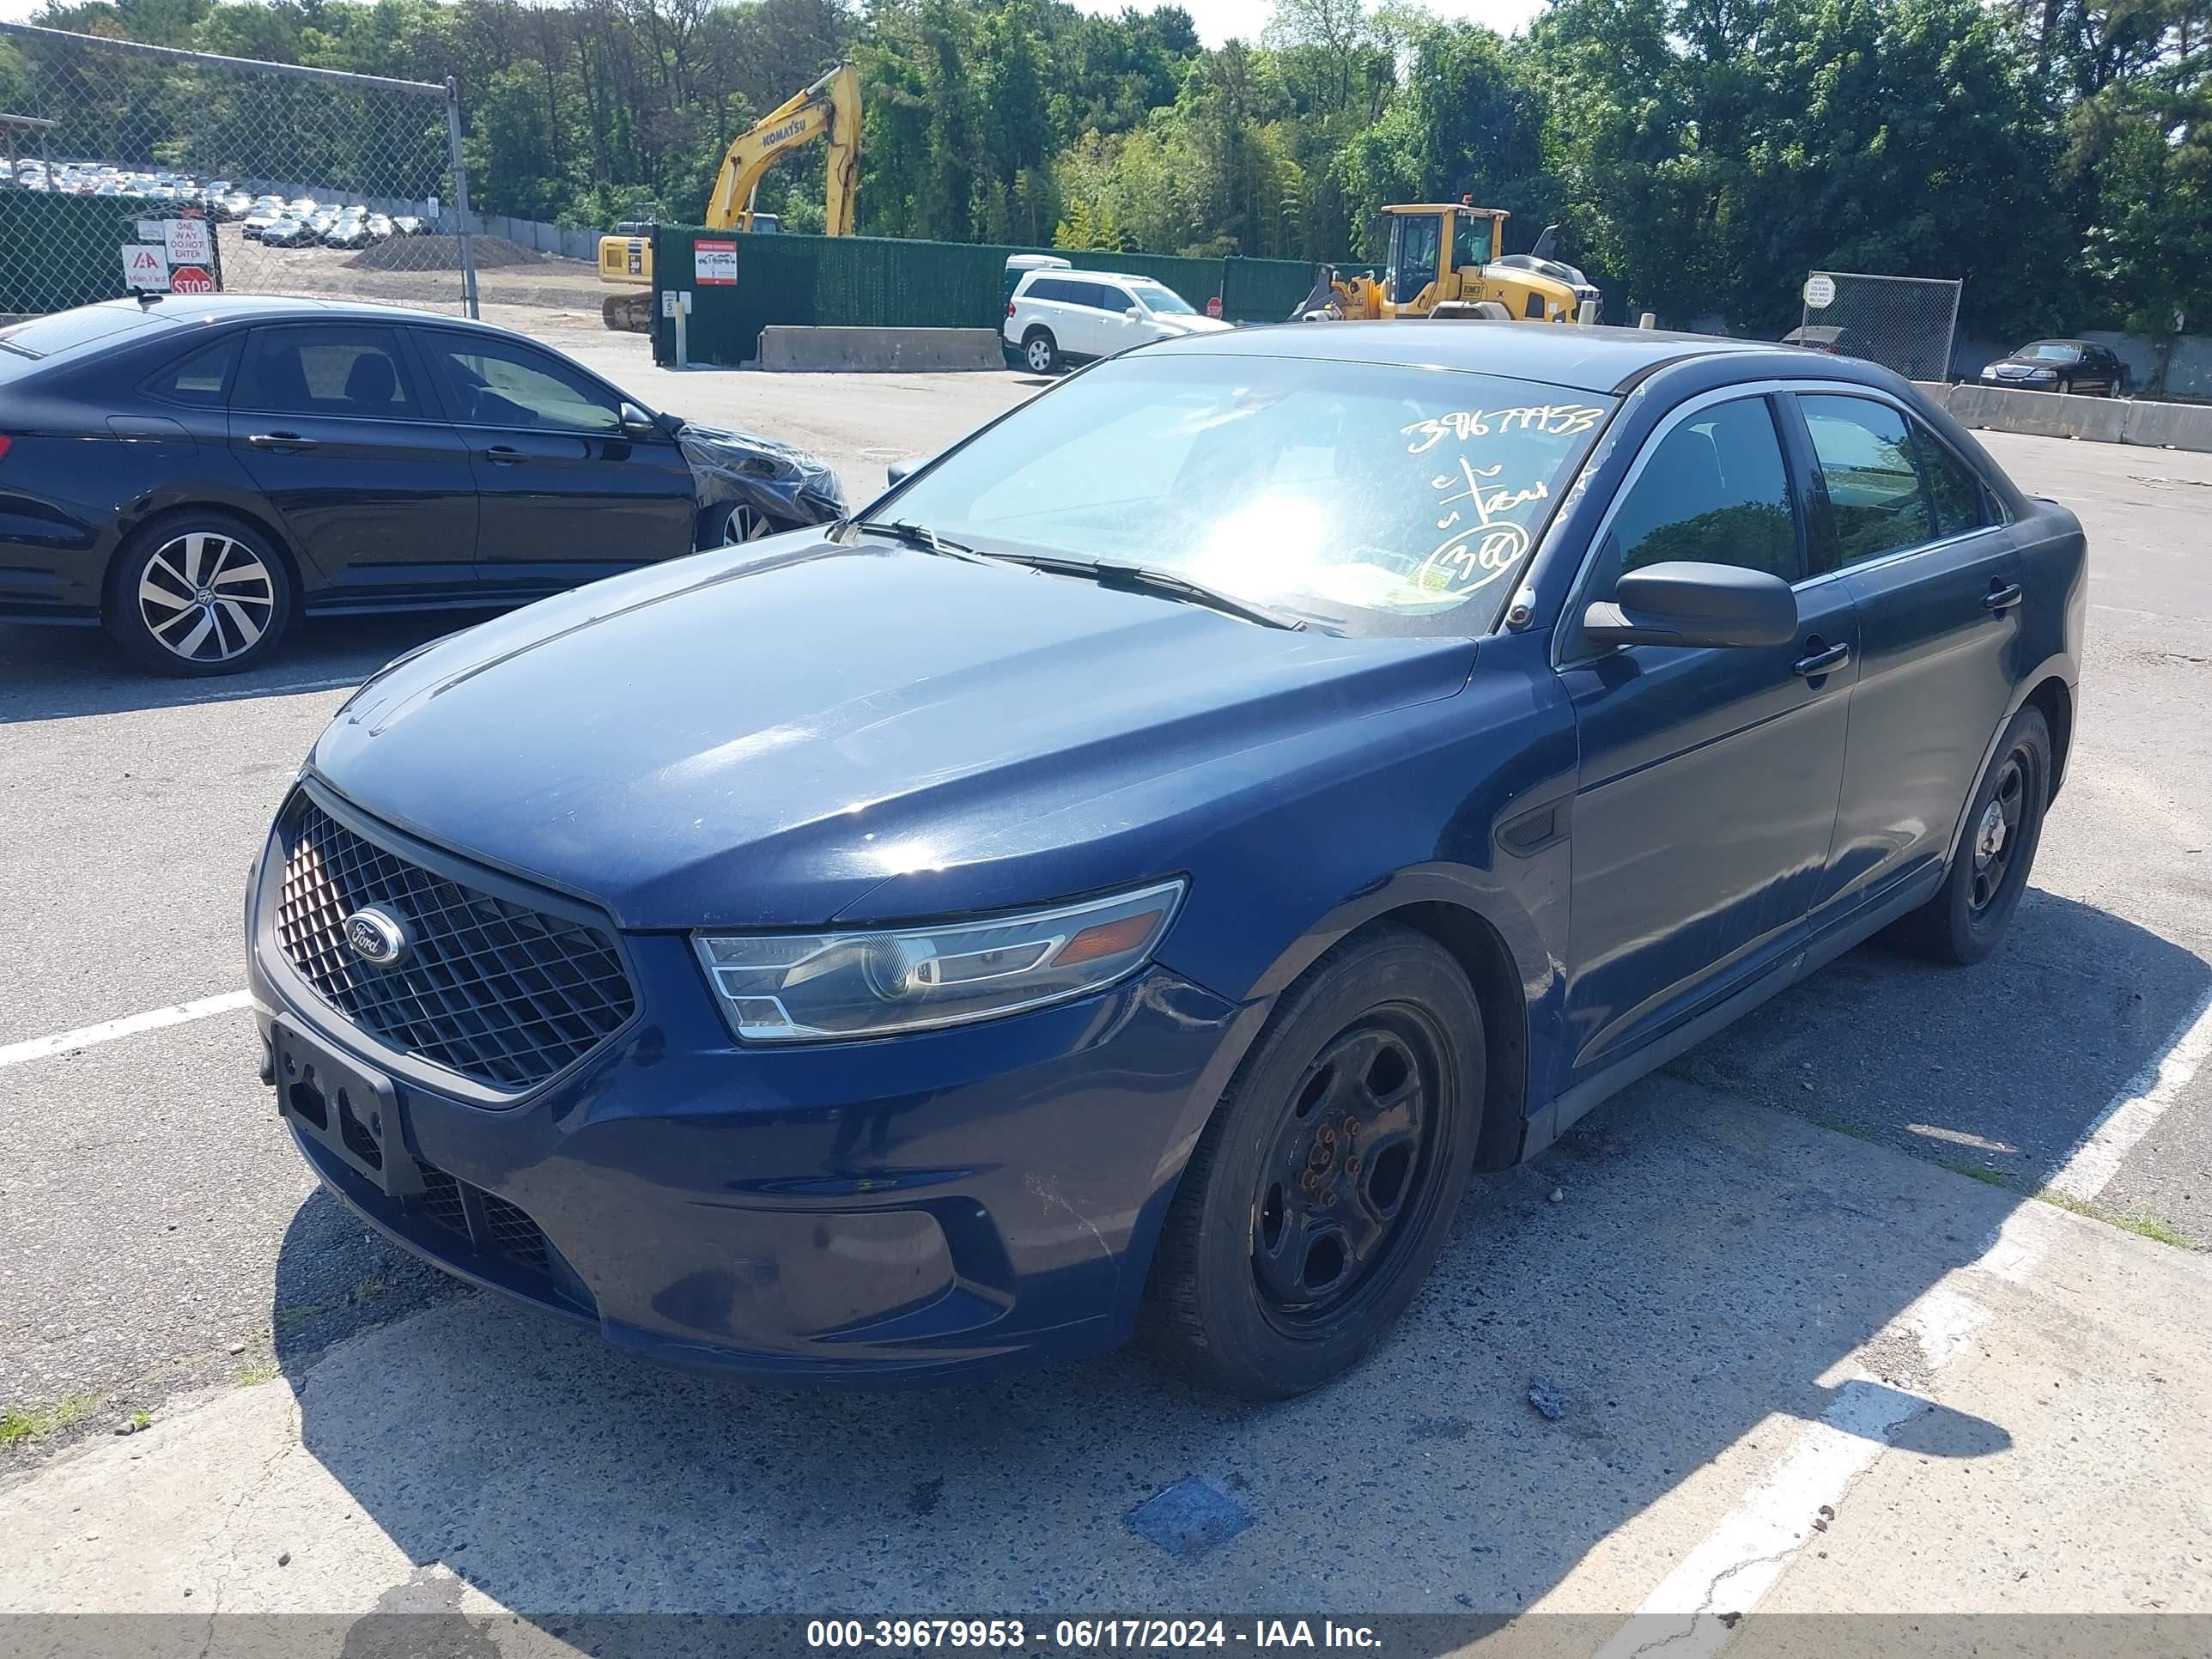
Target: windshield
[(2050, 351), (1157, 297), (1369, 498)]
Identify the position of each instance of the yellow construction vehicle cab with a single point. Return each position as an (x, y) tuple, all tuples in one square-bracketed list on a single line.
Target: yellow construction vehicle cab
[(831, 107), (1446, 261)]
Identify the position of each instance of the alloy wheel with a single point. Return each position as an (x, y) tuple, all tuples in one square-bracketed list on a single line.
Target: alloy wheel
[(1039, 353), (747, 524), (206, 598), (1351, 1158)]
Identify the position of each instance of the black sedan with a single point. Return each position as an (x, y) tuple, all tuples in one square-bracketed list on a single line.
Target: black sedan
[(2080, 366), (193, 474)]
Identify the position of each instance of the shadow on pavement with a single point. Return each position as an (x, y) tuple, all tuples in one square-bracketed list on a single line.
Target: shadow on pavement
[(64, 673), (1700, 1288)]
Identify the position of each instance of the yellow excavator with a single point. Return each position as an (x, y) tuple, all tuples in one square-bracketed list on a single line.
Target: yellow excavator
[(831, 107), (1447, 260)]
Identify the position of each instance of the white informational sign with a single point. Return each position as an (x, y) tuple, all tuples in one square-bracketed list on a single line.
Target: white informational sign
[(714, 265), (150, 230), (1820, 292), (187, 241), (431, 211), (668, 302), (145, 266)]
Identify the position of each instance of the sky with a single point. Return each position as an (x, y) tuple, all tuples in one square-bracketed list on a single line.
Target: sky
[(1223, 20)]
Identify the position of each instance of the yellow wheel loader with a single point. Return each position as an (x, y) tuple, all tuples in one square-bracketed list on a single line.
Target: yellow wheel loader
[(831, 107), (1446, 261)]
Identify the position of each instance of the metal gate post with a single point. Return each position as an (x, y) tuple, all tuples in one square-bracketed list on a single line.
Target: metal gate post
[(1951, 338), (460, 195)]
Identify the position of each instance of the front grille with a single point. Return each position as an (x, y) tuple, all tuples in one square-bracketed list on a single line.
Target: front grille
[(494, 990)]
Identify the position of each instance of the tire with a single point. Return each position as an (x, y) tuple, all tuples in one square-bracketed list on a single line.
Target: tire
[(743, 522), (1041, 352), (1967, 917), (198, 594), (1267, 1282)]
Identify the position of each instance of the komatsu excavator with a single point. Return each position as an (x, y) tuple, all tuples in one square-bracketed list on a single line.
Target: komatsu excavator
[(831, 107), (1447, 261)]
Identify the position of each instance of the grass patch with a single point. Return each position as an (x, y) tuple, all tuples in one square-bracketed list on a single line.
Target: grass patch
[(286, 1318), (20, 1426), (1981, 1172), (264, 1372), (371, 1288), (140, 1422), (2142, 1225), (1843, 1125)]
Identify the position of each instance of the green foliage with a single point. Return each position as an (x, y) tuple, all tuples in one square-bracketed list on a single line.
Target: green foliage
[(1700, 155)]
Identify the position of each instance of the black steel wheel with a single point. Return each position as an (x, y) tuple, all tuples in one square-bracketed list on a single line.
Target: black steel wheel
[(1967, 917), (1321, 1190)]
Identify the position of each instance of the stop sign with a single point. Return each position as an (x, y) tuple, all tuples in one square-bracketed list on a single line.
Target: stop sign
[(191, 279), (1213, 307)]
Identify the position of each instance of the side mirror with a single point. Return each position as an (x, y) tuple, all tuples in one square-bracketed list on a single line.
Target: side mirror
[(1694, 604), (1133, 313), (899, 471), (636, 424)]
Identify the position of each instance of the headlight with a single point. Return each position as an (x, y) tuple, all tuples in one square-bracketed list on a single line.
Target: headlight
[(817, 987), (2043, 374)]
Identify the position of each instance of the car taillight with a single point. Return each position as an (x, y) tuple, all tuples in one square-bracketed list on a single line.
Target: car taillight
[(5, 441), (1010, 308)]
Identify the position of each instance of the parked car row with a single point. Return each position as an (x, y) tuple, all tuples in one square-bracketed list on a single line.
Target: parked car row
[(296, 221), (295, 457)]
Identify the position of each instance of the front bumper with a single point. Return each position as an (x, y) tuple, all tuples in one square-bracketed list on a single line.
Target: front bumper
[(914, 1208)]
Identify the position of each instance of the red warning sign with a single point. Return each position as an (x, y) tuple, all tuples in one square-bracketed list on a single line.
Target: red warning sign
[(191, 279)]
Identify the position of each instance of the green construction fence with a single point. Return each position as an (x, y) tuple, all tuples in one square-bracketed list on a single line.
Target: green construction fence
[(870, 282), (59, 251)]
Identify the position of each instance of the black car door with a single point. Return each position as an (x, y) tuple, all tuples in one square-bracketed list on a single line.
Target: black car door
[(567, 494), (331, 422), (1707, 796), (1918, 538)]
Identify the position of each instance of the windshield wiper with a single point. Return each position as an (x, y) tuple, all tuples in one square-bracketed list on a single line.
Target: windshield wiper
[(917, 535), (1144, 578)]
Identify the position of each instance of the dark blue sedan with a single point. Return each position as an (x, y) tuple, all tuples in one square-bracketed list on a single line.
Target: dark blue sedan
[(1130, 876)]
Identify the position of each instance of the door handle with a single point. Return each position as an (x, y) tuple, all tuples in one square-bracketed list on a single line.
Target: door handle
[(502, 455), (282, 442), (1822, 662), (2001, 597)]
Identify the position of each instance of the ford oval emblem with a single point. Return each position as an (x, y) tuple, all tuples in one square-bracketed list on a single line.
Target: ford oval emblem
[(375, 938)]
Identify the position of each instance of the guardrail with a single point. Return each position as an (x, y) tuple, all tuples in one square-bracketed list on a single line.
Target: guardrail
[(2098, 420)]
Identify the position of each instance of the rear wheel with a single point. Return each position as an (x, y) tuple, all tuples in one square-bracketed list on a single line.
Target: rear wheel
[(1040, 351), (199, 594), (1966, 919), (1323, 1187)]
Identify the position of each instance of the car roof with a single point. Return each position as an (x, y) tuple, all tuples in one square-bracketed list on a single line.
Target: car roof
[(1090, 275), (182, 311), (1575, 355)]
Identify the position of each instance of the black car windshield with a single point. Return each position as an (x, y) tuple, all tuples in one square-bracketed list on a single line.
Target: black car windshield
[(1371, 498), (2049, 351)]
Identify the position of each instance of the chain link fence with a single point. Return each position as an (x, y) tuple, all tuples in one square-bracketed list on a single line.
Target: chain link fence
[(1903, 323), (132, 167)]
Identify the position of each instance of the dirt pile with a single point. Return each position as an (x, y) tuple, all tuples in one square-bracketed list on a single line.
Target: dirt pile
[(444, 253)]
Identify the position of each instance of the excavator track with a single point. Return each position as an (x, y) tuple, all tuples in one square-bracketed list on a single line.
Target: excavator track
[(628, 314)]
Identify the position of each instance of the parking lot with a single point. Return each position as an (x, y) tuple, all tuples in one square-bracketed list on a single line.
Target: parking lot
[(1809, 1330)]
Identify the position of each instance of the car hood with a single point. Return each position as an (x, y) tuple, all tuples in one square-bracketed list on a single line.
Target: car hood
[(1175, 323), (766, 736)]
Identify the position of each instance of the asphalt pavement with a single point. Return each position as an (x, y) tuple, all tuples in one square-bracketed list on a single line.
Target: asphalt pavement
[(1736, 1240)]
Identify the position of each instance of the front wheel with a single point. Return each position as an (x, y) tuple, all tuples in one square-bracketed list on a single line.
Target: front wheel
[(1321, 1191), (1967, 917), (1039, 351), (200, 594)]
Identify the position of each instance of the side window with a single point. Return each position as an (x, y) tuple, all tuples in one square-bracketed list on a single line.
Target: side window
[(494, 383), (201, 379), (1714, 492), (1874, 491), (1962, 501), (342, 371), (1048, 287), (1116, 299)]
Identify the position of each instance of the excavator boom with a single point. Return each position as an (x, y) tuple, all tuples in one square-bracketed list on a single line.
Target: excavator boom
[(830, 108)]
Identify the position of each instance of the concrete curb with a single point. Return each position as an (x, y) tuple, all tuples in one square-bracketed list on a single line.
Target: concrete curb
[(2057, 415), (879, 348)]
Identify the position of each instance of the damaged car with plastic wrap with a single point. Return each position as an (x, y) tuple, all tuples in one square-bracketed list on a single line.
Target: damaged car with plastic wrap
[(1127, 879)]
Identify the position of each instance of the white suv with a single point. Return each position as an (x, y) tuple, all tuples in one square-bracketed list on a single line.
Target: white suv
[(1058, 317)]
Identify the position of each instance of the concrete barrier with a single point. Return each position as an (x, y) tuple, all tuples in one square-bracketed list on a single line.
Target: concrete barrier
[(2098, 420), (878, 348)]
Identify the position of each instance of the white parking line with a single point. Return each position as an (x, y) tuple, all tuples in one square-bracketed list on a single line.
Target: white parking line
[(15, 1054), (2096, 1158)]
